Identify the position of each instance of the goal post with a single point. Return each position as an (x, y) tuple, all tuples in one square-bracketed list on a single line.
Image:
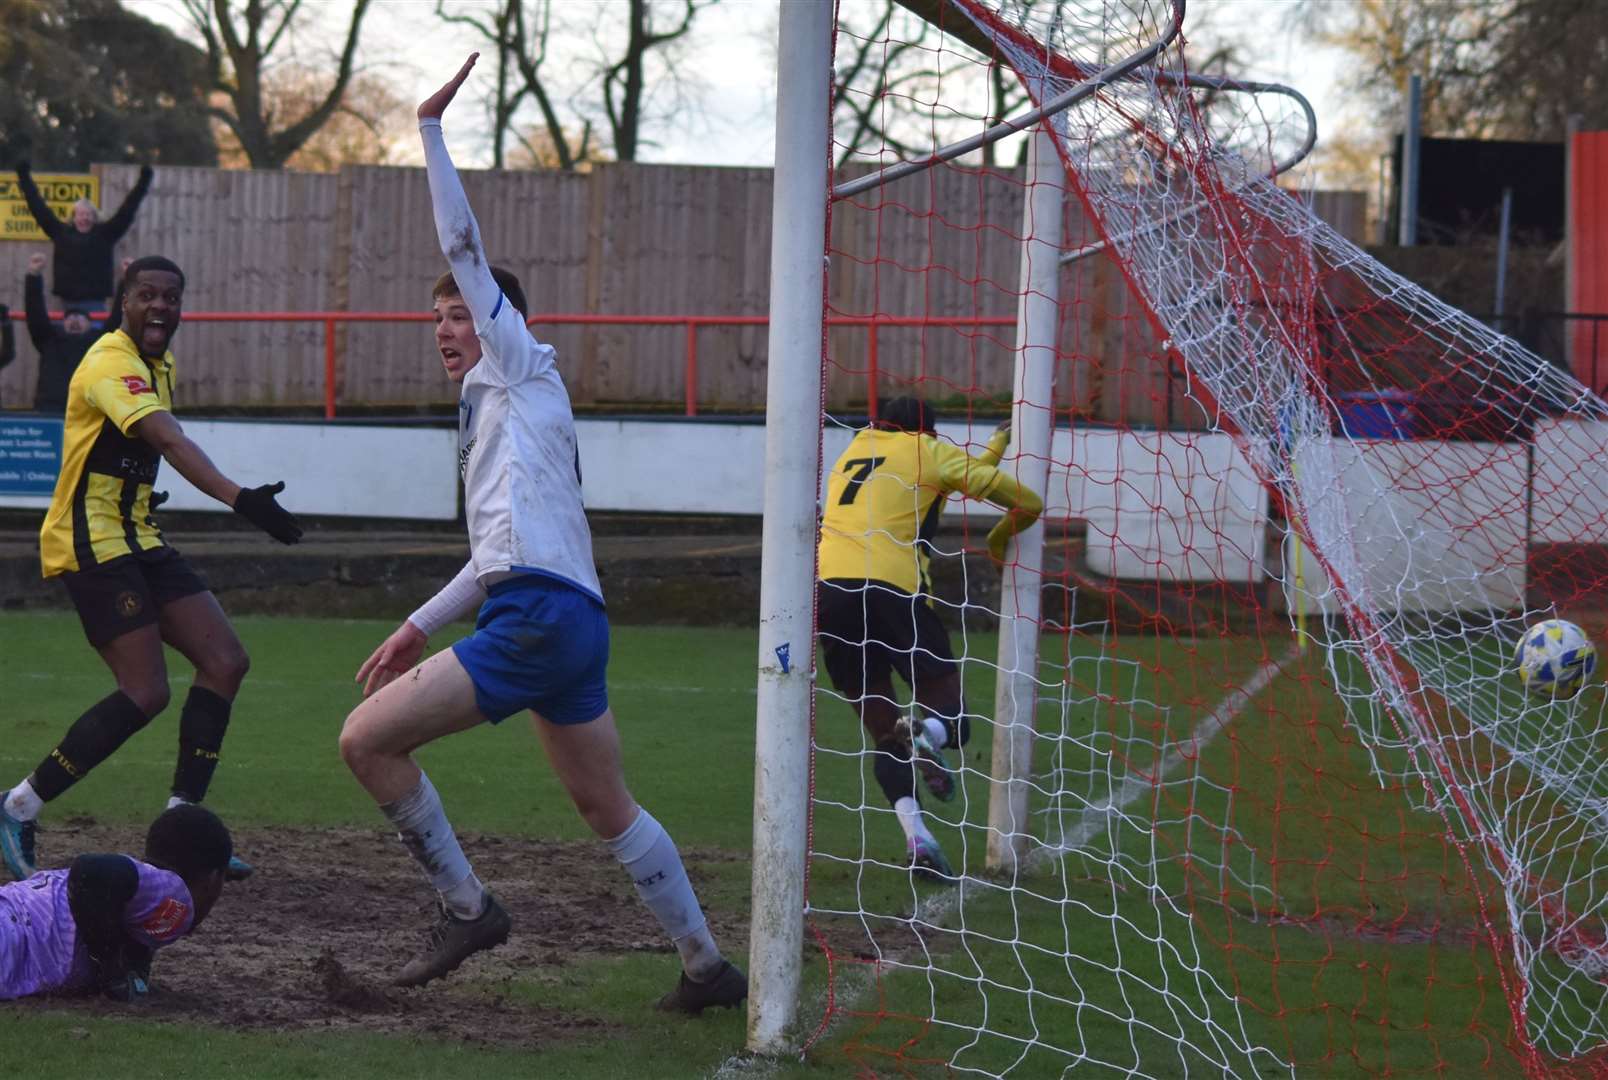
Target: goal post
[(1022, 580), (786, 692)]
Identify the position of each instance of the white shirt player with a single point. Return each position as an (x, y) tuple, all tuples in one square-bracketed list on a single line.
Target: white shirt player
[(516, 433)]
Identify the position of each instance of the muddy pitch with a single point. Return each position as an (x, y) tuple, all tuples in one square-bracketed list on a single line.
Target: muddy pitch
[(311, 941)]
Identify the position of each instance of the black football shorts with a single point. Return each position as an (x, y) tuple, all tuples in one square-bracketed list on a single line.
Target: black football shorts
[(129, 592), (869, 629)]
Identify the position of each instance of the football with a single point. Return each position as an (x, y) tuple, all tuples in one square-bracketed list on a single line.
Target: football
[(1555, 658)]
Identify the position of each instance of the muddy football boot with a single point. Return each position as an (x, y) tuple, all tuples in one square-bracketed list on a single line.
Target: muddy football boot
[(728, 988), (238, 869), (454, 940), (927, 861), (17, 845), (930, 763)]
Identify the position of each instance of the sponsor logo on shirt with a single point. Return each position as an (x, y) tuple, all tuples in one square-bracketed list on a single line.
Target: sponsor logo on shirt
[(163, 923), (463, 457), (137, 385)]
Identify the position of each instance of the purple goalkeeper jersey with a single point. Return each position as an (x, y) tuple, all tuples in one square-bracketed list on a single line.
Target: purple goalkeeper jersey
[(39, 949)]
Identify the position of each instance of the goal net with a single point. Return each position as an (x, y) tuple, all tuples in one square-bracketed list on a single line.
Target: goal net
[(1252, 785)]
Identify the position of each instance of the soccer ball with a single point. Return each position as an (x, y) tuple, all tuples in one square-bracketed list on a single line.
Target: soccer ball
[(1555, 658)]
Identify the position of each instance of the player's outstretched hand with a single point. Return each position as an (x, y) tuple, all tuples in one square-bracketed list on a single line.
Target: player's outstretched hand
[(257, 505), (396, 655), (436, 104)]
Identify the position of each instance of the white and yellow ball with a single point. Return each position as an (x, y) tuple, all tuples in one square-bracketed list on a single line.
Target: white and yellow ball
[(1555, 658)]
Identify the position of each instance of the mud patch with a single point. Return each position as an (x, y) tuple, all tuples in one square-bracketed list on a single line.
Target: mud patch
[(311, 941)]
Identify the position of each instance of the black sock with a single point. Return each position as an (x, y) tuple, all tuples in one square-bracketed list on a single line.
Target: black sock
[(91, 740), (201, 728), (891, 766)]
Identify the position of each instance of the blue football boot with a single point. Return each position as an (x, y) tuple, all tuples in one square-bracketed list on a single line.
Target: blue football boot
[(17, 845)]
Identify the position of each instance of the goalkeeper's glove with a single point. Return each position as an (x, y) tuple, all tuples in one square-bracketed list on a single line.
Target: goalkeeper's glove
[(1021, 516), (257, 506)]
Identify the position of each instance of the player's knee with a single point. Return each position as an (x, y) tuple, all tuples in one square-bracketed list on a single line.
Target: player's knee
[(228, 667), (150, 695), (354, 747), (608, 813)]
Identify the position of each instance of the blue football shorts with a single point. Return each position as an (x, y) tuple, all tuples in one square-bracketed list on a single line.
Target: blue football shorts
[(542, 644)]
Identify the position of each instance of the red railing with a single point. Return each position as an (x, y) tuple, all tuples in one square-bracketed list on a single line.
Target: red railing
[(690, 323)]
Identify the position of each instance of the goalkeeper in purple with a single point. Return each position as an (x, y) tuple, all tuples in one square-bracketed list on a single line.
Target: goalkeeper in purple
[(541, 639), (94, 927)]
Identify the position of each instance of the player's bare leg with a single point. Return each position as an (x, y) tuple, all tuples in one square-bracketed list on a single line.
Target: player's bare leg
[(434, 699), (137, 663), (892, 760), (197, 627), (586, 759)]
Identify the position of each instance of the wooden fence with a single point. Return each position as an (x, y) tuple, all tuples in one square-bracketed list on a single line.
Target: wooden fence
[(622, 239)]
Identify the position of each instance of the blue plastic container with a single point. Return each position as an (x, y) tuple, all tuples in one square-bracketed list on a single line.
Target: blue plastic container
[(1378, 414)]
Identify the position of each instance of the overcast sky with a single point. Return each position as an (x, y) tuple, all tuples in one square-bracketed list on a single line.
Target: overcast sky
[(732, 65)]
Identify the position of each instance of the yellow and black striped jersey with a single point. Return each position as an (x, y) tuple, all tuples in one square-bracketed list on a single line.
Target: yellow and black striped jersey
[(101, 506), (883, 499)]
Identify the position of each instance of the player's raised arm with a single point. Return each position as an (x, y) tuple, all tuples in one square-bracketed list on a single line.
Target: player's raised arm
[(456, 227), (958, 471)]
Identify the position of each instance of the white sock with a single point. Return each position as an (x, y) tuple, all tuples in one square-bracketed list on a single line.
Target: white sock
[(422, 826), (650, 857), (936, 731), (177, 800), (23, 802), (909, 811), (467, 899)]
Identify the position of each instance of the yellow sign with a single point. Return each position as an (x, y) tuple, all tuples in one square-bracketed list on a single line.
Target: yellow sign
[(60, 191)]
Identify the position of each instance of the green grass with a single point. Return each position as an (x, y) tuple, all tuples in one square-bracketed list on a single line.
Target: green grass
[(1263, 891)]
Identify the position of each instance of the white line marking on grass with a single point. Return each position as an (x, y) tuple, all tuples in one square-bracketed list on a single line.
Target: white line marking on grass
[(1094, 818), (932, 910)]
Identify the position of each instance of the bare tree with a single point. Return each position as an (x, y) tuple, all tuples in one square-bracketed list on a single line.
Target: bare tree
[(240, 41), (1491, 69), (368, 127), (617, 84), (624, 81)]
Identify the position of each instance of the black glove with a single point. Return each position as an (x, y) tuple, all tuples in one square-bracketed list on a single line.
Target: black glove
[(5, 312), (257, 506), (158, 498), (23, 168), (146, 172), (98, 886)]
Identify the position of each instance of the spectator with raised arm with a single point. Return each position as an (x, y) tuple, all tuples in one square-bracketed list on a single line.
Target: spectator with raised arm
[(83, 246), (60, 348)]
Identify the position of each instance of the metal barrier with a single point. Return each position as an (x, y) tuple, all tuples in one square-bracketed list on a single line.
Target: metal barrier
[(691, 323)]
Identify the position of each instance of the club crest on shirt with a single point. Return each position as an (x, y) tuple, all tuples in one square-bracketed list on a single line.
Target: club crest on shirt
[(137, 385), (164, 922)]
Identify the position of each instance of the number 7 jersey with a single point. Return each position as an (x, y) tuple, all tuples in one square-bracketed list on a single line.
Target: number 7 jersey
[(883, 500)]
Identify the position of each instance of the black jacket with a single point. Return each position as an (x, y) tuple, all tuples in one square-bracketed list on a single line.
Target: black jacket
[(83, 270), (59, 351)]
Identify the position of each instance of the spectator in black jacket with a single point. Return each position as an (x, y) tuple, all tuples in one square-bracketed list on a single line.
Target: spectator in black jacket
[(61, 349), (83, 272), (8, 337)]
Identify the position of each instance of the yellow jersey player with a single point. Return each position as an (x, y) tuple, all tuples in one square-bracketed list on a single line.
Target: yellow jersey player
[(875, 617), (131, 590)]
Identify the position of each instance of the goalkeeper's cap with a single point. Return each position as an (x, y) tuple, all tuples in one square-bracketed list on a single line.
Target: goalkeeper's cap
[(189, 840), (908, 414)]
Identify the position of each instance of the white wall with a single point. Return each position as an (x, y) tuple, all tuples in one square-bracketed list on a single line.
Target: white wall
[(337, 469)]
